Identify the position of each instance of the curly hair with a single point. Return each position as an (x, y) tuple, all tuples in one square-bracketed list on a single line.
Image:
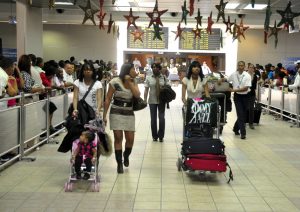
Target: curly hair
[(195, 64)]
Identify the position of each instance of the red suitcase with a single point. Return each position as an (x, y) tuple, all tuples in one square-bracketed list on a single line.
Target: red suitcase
[(206, 162)]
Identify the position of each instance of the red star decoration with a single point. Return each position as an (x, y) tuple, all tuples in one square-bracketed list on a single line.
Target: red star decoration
[(155, 15), (287, 17), (110, 23), (88, 12), (137, 35), (131, 19), (199, 18), (209, 24), (101, 2), (101, 17), (197, 32), (241, 30), (192, 7), (274, 31), (228, 25), (179, 32)]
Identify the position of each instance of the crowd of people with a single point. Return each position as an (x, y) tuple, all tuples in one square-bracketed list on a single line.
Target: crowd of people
[(32, 75)]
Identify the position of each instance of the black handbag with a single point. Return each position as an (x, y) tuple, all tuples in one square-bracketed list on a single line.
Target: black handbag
[(138, 104), (167, 94), (86, 112)]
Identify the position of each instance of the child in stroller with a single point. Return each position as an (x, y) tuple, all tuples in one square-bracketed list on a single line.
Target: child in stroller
[(85, 156), (85, 153)]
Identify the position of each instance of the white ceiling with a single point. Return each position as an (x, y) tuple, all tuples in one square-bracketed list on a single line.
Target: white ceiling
[(73, 14)]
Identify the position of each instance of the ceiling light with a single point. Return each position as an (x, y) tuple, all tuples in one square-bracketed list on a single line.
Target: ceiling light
[(256, 7), (146, 4), (63, 3), (232, 6), (44, 21), (122, 4)]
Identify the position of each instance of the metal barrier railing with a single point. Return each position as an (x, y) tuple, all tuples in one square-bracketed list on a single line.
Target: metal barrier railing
[(22, 124), (278, 101)]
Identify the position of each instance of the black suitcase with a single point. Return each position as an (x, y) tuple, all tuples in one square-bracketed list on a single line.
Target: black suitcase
[(257, 114), (204, 130), (196, 145)]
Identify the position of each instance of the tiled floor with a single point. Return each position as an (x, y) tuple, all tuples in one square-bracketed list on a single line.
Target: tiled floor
[(266, 170)]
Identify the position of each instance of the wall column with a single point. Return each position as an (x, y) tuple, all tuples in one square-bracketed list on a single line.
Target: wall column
[(29, 29)]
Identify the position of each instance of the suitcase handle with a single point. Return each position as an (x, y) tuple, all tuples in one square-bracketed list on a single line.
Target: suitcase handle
[(230, 173)]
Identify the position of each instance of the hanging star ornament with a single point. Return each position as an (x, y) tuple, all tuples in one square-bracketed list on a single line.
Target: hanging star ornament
[(157, 32), (228, 25), (179, 32), (88, 12), (221, 10), (137, 35), (110, 23), (252, 3), (192, 7), (209, 24), (114, 29), (51, 4), (234, 31), (197, 32), (101, 17), (101, 3), (267, 22), (131, 19), (199, 18), (287, 16), (274, 31), (241, 30), (184, 13), (155, 15)]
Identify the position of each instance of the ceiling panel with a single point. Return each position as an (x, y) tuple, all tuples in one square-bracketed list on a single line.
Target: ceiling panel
[(206, 6)]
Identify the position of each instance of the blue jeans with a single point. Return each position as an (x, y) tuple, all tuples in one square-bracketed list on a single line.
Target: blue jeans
[(161, 116)]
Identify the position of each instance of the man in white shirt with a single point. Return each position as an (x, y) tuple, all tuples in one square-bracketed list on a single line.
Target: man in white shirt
[(137, 64), (205, 69), (241, 83), (68, 74), (296, 84)]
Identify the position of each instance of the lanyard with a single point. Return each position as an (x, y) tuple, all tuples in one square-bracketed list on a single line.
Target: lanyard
[(240, 80)]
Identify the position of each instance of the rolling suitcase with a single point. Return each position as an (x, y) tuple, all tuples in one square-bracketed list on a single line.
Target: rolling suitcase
[(207, 162), (197, 145)]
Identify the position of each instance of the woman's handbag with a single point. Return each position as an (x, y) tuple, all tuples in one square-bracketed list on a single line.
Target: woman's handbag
[(86, 112), (138, 104)]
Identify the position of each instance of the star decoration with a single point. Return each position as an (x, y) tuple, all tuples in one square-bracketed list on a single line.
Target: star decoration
[(199, 18), (88, 12), (155, 15), (110, 23), (101, 2), (101, 17), (51, 4), (228, 25), (287, 16), (252, 3), (209, 24), (131, 19), (241, 30), (185, 12), (221, 9), (274, 31), (267, 22), (157, 32), (114, 29), (179, 32), (137, 35), (197, 32), (192, 7)]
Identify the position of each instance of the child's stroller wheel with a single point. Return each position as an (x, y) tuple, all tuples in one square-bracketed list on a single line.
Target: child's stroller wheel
[(179, 164)]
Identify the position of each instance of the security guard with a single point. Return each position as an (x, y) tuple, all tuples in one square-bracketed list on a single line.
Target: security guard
[(241, 83)]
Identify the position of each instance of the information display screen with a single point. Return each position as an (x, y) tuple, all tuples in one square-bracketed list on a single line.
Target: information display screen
[(206, 42), (147, 37)]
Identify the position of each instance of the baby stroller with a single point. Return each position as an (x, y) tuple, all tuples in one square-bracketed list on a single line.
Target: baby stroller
[(96, 126), (202, 150)]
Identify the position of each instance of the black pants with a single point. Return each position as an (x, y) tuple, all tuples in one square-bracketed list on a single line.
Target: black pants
[(79, 161), (251, 108), (241, 105), (161, 116)]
